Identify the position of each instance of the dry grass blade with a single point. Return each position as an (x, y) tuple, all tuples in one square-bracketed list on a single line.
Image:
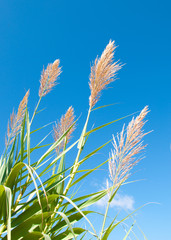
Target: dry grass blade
[(102, 73), (61, 127), (49, 77), (127, 144), (16, 120)]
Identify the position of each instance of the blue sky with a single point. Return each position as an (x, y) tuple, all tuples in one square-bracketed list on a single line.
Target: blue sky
[(35, 33)]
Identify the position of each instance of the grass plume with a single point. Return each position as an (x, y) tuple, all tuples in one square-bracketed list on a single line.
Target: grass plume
[(127, 144), (15, 122), (49, 78), (102, 73), (61, 127)]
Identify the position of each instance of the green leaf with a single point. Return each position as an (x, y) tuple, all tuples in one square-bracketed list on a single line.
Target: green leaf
[(79, 210), (61, 168), (95, 197), (46, 237), (67, 222), (114, 193), (112, 226), (54, 145), (104, 106), (2, 200), (8, 209), (108, 231), (28, 137), (93, 152), (40, 194), (129, 231), (6, 164), (73, 219), (104, 125), (36, 236), (41, 128), (81, 142), (86, 174), (33, 236), (22, 142), (33, 209), (51, 184), (58, 157), (23, 229), (13, 174), (67, 235), (5, 209)]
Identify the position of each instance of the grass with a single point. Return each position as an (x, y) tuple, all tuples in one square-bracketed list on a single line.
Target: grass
[(34, 208)]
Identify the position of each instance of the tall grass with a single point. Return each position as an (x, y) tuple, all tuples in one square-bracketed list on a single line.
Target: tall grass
[(35, 196)]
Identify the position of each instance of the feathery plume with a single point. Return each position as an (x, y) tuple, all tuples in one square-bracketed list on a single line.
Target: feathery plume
[(127, 144), (102, 73), (61, 127), (15, 122), (49, 77)]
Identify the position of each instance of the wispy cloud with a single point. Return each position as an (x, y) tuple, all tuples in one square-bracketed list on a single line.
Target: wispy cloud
[(121, 201), (125, 202)]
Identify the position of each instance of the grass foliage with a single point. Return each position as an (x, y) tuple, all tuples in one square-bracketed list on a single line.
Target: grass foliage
[(35, 197)]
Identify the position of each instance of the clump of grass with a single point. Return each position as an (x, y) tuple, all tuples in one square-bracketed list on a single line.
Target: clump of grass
[(35, 195)]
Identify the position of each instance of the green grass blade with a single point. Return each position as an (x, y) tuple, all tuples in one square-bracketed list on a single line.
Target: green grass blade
[(73, 219), (127, 234), (54, 145), (104, 106), (33, 209), (22, 141), (28, 137), (67, 222), (93, 152), (67, 235), (86, 174), (79, 210), (38, 129), (58, 157), (107, 124), (23, 229), (8, 209)]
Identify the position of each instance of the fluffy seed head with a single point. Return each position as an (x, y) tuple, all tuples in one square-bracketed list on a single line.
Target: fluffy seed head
[(102, 73), (127, 145), (49, 77), (62, 126), (15, 122)]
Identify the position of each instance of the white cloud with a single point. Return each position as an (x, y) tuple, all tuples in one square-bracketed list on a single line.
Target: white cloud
[(120, 201), (123, 201)]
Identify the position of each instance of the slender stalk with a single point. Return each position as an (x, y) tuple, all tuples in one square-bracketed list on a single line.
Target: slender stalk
[(34, 113), (104, 220), (106, 212), (80, 146)]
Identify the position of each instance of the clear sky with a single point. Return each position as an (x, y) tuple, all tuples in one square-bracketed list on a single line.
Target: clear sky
[(35, 33)]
